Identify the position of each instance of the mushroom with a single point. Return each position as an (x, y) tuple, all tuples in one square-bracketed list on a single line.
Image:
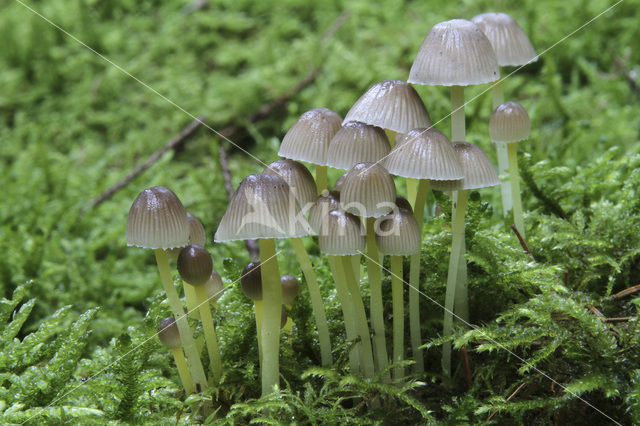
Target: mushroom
[(170, 337), (308, 140), (157, 220), (195, 267), (509, 124), (355, 143)]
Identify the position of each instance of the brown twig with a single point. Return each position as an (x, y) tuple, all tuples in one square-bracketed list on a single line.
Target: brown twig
[(626, 292), (465, 364), (595, 311), (171, 144), (616, 319), (508, 398), (523, 243)]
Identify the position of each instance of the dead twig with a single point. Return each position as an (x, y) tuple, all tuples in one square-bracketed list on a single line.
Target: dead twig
[(171, 144), (626, 292), (617, 319), (523, 243), (508, 399), (465, 364)]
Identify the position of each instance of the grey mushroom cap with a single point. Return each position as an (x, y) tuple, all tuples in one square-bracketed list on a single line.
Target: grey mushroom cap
[(390, 104), (157, 220), (263, 206), (399, 234), (369, 191), (298, 177), (476, 166), (342, 234), (308, 139), (168, 333), (325, 203), (509, 41), (509, 123), (455, 52), (357, 143)]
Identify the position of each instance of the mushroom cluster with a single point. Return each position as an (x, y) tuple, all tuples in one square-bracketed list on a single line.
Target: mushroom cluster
[(386, 133)]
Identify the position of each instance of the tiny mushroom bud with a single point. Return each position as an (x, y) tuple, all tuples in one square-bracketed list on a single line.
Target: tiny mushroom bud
[(290, 289), (168, 333), (195, 265), (251, 281), (214, 287)]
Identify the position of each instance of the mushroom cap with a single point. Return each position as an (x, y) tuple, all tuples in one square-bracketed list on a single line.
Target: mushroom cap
[(308, 139), (509, 41), (214, 287), (476, 166), (290, 289), (424, 154), (157, 219), (326, 202), (251, 281), (455, 52), (355, 143), (399, 234), (298, 177), (195, 265), (390, 104), (168, 333), (262, 207), (340, 182), (369, 191), (342, 234), (509, 123), (197, 235), (403, 204)]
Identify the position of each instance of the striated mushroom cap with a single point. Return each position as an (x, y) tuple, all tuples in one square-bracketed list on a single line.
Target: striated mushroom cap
[(476, 166), (399, 234), (342, 234), (390, 104), (369, 191), (424, 154), (298, 177), (262, 207), (157, 219), (308, 139), (325, 203), (509, 123), (455, 52), (509, 41), (355, 143)]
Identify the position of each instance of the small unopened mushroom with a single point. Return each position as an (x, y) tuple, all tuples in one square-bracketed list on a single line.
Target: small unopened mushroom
[(170, 337)]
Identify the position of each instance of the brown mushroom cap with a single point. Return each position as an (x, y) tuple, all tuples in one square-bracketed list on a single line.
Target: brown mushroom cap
[(251, 281), (290, 289), (157, 219), (326, 202), (195, 265), (168, 333), (455, 52), (262, 207), (197, 235)]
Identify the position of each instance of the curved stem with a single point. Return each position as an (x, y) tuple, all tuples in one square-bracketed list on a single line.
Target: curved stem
[(515, 187), (375, 284), (452, 278), (188, 343), (347, 311), (183, 371), (272, 309), (316, 301), (210, 336), (457, 114), (360, 317), (414, 283), (322, 182), (398, 314)]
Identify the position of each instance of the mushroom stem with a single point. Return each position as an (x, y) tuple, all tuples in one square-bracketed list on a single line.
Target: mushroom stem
[(183, 370), (257, 307), (457, 114), (360, 316), (316, 301), (414, 283), (515, 187), (347, 311), (272, 311), (412, 191), (322, 182), (398, 314), (192, 301), (457, 247), (501, 149), (210, 336), (189, 344), (375, 284), (391, 135)]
